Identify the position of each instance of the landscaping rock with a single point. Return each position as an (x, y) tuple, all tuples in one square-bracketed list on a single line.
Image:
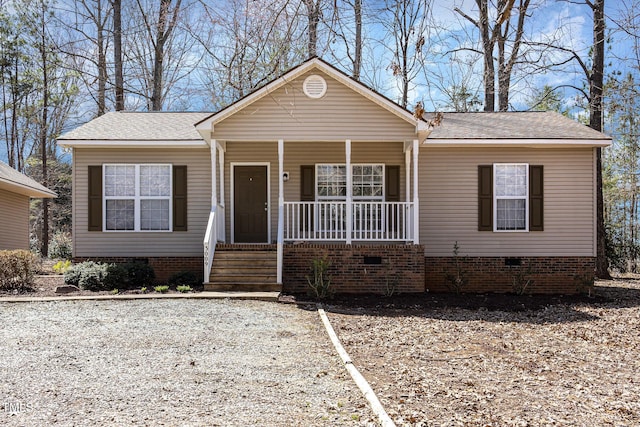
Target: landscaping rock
[(67, 289)]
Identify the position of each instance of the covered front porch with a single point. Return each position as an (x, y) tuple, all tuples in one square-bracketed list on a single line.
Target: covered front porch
[(354, 198)]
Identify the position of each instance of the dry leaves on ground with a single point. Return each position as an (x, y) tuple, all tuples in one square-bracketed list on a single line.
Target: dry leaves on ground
[(562, 364)]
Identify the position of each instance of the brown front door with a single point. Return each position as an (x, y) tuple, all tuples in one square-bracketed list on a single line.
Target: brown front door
[(250, 204)]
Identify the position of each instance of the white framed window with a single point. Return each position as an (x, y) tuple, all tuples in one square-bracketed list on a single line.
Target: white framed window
[(331, 182), (511, 197), (367, 185), (367, 181), (137, 197)]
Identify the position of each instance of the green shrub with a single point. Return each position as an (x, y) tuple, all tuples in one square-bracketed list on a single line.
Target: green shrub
[(320, 281), (139, 274), (186, 278), (184, 288), (60, 246), (17, 269), (116, 277), (61, 266), (161, 288), (458, 280), (88, 275)]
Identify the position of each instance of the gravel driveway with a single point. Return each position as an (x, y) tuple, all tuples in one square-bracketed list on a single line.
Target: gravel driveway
[(171, 362)]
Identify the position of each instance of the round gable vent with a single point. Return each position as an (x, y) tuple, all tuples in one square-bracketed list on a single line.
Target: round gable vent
[(314, 86)]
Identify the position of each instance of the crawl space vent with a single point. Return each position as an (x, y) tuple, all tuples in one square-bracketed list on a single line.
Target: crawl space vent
[(314, 86)]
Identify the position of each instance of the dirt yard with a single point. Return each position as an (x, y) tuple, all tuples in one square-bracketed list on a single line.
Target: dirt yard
[(523, 361)]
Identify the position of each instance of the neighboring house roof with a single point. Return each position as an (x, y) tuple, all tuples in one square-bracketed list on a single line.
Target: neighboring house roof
[(501, 127), (204, 126), (137, 129), (16, 182)]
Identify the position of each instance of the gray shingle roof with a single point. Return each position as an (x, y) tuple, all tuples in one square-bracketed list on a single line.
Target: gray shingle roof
[(137, 126), (170, 126), (17, 182), (512, 125)]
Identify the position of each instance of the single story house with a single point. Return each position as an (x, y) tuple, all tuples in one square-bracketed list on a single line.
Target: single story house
[(316, 164), (16, 189)]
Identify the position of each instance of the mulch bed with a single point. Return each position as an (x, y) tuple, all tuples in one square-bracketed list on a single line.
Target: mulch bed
[(497, 359)]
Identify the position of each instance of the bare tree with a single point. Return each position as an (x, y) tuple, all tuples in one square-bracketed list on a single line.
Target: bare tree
[(494, 23), (249, 45), (159, 33), (407, 23), (314, 13), (117, 54), (159, 53), (346, 26)]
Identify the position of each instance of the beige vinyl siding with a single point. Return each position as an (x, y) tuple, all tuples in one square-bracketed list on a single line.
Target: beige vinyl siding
[(449, 202), (297, 153), (143, 244), (14, 220), (289, 114)]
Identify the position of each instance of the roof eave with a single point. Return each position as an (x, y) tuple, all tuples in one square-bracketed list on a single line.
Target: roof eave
[(105, 143), (530, 143), (26, 190)]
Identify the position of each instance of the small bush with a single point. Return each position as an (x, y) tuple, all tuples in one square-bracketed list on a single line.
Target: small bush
[(458, 280), (60, 246), (161, 288), (139, 274), (184, 288), (320, 281), (88, 275), (17, 269), (186, 278), (61, 266), (116, 277)]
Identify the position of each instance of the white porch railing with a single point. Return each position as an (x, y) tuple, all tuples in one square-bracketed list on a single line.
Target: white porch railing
[(370, 221), (215, 232)]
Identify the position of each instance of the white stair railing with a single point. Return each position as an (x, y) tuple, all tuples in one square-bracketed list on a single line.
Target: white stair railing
[(210, 240)]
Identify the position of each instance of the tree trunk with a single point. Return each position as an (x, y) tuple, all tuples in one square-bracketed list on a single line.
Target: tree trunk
[(166, 24), (313, 15), (44, 244), (357, 63), (595, 122), (117, 54), (102, 62), (488, 42)]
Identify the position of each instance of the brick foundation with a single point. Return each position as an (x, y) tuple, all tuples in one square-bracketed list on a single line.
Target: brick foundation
[(357, 268), (164, 267), (550, 275)]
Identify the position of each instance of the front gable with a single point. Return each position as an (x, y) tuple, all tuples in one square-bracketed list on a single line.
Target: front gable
[(282, 110)]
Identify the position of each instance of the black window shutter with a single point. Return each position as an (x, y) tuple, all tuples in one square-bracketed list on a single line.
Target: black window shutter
[(307, 194), (179, 198), (536, 202), (485, 198), (392, 184), (307, 183), (95, 198)]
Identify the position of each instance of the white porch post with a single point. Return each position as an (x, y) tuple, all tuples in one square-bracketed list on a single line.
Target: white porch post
[(221, 233), (280, 249), (407, 174), (214, 174), (416, 203), (221, 150), (347, 149)]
